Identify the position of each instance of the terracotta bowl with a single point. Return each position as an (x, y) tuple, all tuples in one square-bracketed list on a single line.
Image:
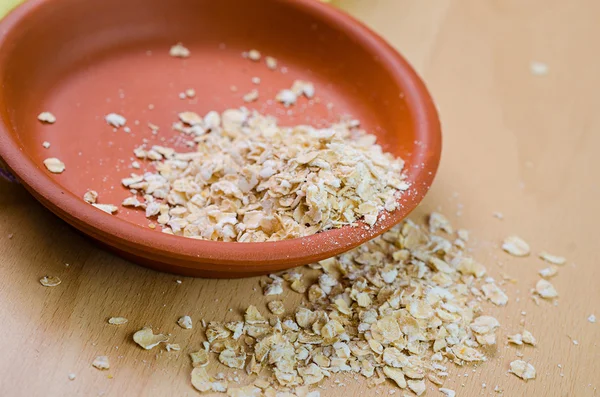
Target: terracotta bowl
[(81, 60)]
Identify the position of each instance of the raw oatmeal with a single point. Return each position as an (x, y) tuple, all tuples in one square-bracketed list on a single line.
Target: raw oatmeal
[(251, 180)]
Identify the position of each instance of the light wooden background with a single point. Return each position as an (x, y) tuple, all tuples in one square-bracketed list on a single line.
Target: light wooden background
[(517, 143)]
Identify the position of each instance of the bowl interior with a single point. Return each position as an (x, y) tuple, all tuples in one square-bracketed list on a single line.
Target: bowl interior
[(83, 60)]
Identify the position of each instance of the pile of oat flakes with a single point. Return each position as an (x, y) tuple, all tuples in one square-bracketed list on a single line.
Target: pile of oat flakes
[(251, 180), (402, 307)]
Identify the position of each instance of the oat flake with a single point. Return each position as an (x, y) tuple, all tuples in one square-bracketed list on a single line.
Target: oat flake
[(54, 165), (515, 246), (50, 281), (522, 369), (146, 339), (101, 362)]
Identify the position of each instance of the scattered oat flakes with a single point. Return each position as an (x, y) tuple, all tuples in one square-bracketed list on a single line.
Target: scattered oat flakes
[(592, 318), (116, 120), (101, 362), (47, 117), (254, 55), (179, 51), (545, 289), (146, 338), (522, 369), (54, 165), (271, 62), (251, 96), (516, 246), (50, 281), (117, 320), (46, 144), (108, 208), (90, 196), (555, 260), (185, 322)]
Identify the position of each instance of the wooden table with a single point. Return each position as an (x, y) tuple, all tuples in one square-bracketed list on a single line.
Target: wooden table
[(518, 143)]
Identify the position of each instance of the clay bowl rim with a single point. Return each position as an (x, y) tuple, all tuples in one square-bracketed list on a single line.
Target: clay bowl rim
[(135, 238)]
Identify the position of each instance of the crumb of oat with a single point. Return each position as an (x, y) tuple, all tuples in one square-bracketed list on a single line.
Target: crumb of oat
[(108, 208), (172, 347), (185, 322), (276, 307), (251, 96), (591, 318), (178, 281), (301, 87), (190, 92), (286, 97), (72, 376), (254, 55), (516, 339), (233, 88), (147, 339), (117, 320), (101, 362), (256, 80), (554, 259), (179, 51), (90, 196), (494, 294), (46, 144), (447, 392), (200, 358), (538, 68), (545, 289), (135, 165), (515, 246), (528, 338), (50, 281), (548, 272), (115, 120), (47, 117), (522, 369), (498, 215), (271, 62), (54, 165), (182, 95)]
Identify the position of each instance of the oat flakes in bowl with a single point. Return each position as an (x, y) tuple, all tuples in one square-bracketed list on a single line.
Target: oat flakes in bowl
[(131, 73)]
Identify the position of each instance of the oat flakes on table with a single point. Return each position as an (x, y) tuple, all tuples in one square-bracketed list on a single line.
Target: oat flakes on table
[(147, 339)]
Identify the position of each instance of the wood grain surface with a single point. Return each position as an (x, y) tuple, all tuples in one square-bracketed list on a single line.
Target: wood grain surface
[(514, 142)]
